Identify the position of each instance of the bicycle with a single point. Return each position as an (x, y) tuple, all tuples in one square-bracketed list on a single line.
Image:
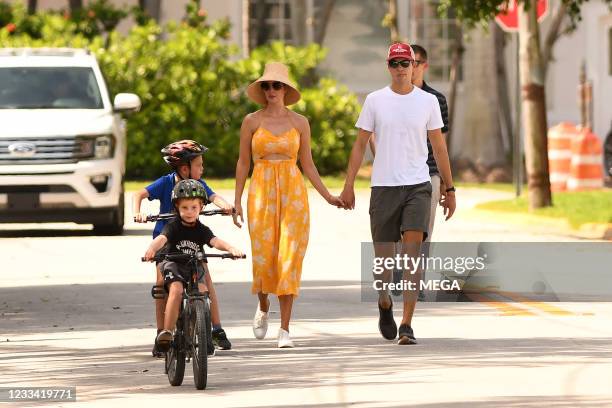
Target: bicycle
[(193, 327)]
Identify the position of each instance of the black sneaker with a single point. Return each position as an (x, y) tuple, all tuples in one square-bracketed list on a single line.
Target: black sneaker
[(210, 349), (406, 335), (386, 323), (220, 340), (156, 352)]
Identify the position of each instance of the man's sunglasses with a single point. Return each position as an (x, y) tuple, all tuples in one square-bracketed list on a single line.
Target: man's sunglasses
[(404, 63), (275, 85)]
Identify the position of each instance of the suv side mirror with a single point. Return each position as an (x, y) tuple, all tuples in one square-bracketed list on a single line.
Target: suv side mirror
[(126, 102)]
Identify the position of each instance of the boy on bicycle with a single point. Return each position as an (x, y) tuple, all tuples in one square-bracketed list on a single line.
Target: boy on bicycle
[(185, 158), (185, 234)]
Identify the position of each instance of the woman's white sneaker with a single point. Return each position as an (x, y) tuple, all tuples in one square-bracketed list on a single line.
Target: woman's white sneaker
[(260, 323), (284, 341)]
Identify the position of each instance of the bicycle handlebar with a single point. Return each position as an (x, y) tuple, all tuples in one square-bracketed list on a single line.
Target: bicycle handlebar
[(182, 257), (167, 216)]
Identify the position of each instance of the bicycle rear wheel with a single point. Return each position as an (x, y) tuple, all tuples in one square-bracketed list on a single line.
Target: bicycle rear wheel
[(199, 343), (175, 358)]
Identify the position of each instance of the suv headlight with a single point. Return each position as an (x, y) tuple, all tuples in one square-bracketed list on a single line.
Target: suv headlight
[(94, 147), (104, 146)]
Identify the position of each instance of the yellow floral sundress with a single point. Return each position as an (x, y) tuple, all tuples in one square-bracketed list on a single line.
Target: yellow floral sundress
[(278, 214)]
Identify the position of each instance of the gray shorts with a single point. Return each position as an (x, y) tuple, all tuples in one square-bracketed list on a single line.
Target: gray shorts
[(396, 209)]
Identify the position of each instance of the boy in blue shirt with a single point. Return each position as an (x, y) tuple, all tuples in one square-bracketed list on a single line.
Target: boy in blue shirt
[(185, 157)]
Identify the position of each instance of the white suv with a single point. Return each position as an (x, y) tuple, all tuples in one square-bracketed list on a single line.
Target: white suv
[(62, 142)]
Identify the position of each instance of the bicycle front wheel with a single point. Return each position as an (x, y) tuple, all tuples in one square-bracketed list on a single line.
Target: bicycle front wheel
[(175, 358), (199, 342)]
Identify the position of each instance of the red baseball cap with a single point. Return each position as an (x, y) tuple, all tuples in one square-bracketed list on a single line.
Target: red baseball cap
[(400, 50)]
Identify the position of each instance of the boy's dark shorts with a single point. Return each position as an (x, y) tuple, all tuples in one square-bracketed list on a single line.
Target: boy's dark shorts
[(396, 209), (178, 272)]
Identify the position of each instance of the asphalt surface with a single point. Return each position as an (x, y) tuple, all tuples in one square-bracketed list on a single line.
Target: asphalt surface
[(75, 310)]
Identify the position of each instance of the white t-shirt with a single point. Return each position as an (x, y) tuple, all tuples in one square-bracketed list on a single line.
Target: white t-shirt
[(401, 123)]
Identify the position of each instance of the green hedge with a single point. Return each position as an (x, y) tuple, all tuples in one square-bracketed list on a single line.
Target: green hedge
[(192, 85)]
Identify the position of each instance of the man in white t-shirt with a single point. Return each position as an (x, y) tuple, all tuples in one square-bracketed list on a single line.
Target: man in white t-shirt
[(403, 117)]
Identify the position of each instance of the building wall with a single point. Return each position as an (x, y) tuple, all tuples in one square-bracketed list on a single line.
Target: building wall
[(231, 9), (589, 43)]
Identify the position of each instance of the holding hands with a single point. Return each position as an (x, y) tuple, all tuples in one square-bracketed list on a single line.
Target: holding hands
[(335, 201), (348, 197)]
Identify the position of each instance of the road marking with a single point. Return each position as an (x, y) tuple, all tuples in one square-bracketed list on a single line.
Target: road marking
[(506, 308), (545, 307)]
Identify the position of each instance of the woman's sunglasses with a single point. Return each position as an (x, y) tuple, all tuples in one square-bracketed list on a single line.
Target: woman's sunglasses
[(275, 85), (396, 63)]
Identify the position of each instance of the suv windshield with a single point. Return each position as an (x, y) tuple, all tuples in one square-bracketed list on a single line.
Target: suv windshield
[(49, 88)]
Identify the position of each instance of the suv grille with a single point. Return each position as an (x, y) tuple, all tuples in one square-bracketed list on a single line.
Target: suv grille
[(45, 150)]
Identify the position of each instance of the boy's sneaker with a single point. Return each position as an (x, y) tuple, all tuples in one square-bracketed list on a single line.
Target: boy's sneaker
[(406, 335), (164, 338), (220, 340), (386, 323), (156, 352), (260, 323), (210, 348)]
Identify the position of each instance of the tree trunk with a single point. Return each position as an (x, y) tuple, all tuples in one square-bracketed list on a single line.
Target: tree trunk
[(504, 111), (75, 4), (32, 6), (458, 50), (533, 105)]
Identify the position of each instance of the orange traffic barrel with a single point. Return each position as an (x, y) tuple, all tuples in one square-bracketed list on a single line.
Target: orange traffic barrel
[(586, 169), (560, 139)]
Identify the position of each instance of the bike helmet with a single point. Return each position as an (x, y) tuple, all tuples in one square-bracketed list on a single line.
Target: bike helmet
[(189, 189), (182, 151)]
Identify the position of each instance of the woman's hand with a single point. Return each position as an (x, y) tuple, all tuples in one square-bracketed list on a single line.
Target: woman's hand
[(335, 201), (238, 214)]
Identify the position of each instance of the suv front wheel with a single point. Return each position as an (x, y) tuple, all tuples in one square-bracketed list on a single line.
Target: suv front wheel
[(117, 217)]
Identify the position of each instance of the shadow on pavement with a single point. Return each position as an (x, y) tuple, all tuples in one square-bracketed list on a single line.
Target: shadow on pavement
[(329, 356), (58, 308)]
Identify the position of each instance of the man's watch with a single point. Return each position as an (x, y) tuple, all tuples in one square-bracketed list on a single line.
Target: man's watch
[(451, 189)]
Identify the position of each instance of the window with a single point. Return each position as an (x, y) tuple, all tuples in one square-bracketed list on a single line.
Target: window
[(49, 88), (437, 35), (270, 20)]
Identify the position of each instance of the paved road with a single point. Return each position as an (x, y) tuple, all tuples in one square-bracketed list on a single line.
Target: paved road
[(75, 310)]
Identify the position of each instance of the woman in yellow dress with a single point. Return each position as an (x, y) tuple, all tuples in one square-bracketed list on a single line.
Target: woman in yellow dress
[(277, 206)]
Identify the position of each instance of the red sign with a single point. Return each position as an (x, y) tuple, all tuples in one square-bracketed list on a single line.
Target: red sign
[(508, 16)]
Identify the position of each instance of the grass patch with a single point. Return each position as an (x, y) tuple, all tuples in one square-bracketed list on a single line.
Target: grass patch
[(576, 207), (508, 187)]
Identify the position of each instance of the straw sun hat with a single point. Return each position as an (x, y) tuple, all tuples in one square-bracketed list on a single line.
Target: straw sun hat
[(274, 71)]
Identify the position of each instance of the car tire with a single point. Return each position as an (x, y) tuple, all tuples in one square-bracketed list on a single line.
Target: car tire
[(117, 216)]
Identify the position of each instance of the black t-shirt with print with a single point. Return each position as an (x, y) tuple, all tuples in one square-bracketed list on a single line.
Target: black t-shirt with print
[(188, 240)]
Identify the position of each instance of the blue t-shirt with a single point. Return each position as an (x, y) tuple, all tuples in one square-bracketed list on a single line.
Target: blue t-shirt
[(161, 189)]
